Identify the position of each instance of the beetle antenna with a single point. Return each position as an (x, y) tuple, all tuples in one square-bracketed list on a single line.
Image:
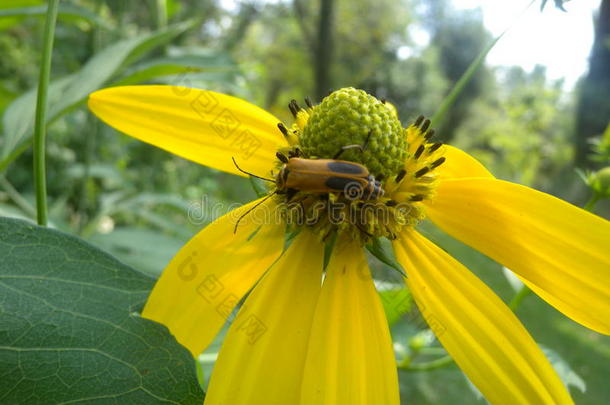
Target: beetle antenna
[(250, 174), (252, 209), (361, 148)]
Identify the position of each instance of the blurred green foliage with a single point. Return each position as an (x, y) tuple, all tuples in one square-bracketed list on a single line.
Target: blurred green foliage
[(134, 200)]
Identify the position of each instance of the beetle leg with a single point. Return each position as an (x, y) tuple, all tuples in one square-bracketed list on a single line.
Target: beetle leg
[(290, 193), (296, 152), (282, 158)]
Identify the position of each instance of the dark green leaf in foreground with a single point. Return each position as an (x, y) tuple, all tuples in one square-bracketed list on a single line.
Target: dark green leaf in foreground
[(69, 331)]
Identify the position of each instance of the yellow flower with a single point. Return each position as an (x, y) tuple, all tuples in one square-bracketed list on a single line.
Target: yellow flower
[(297, 340)]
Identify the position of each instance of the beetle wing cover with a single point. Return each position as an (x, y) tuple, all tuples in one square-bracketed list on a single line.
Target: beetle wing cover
[(336, 183), (344, 167)]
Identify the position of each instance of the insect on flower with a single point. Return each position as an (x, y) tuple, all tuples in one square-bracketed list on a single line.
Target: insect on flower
[(311, 332), (349, 179)]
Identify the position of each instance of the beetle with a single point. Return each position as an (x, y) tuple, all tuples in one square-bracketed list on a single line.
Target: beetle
[(351, 179)]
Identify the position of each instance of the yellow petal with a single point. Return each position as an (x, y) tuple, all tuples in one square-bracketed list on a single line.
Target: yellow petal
[(350, 360), (262, 357), (460, 164), (212, 272), (203, 126), (559, 250), (482, 335)]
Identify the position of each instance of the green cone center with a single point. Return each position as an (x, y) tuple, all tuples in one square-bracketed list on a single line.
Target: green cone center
[(352, 117)]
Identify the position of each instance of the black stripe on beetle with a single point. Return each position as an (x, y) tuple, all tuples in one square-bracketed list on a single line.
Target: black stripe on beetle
[(341, 183), (345, 168)]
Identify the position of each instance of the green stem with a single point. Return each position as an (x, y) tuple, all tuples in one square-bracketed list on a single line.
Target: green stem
[(429, 365), (161, 14), (449, 100), (515, 303), (432, 351), (41, 114), (464, 80), (17, 198), (590, 205), (4, 163), (93, 124)]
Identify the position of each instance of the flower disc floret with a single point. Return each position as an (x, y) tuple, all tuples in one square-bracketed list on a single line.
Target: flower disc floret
[(352, 117)]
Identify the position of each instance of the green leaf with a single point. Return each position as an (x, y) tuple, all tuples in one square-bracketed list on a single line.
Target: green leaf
[(13, 4), (258, 187), (474, 66), (70, 332), (396, 302), (69, 12), (6, 96), (567, 374), (181, 66), (380, 252), (68, 92), (144, 249)]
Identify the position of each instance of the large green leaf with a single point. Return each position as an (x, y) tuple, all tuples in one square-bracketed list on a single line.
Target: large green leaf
[(68, 12), (6, 96), (145, 249), (68, 92), (8, 22), (179, 66), (565, 371), (69, 330)]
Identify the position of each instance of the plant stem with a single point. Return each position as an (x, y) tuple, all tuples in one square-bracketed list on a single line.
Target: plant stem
[(429, 365), (324, 49), (449, 100), (161, 14), (92, 131), (41, 114), (590, 205), (515, 303), (17, 198), (4, 164)]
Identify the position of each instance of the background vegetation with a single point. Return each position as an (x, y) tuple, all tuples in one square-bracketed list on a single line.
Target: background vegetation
[(132, 199)]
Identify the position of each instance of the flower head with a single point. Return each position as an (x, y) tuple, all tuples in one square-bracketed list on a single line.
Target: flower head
[(302, 337)]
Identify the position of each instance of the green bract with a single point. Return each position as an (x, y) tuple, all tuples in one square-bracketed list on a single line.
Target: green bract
[(601, 182)]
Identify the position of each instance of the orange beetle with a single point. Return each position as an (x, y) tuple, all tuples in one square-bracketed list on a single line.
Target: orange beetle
[(351, 179)]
